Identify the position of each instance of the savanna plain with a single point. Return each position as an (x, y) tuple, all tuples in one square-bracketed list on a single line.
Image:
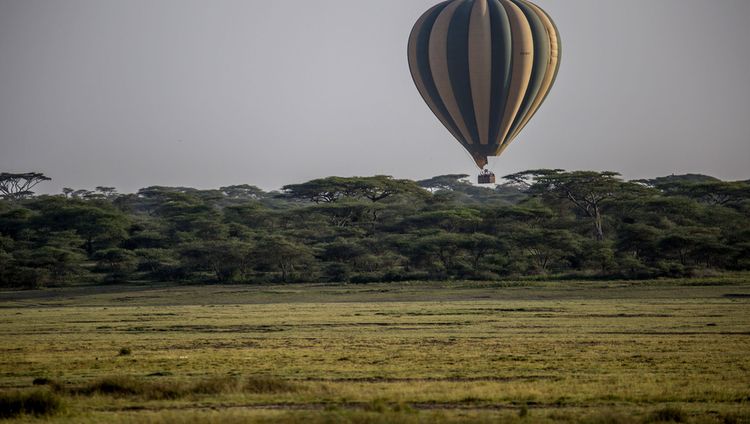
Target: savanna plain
[(533, 351)]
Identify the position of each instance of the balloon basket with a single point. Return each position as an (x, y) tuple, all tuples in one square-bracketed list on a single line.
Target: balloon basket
[(486, 177)]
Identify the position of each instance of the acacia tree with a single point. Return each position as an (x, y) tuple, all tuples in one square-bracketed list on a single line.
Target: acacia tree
[(587, 191), (227, 260), (281, 254), (715, 193), (99, 224), (332, 189), (450, 182), (107, 192), (243, 192), (18, 186), (546, 247)]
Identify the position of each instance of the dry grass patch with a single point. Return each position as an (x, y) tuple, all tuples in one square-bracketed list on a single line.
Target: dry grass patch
[(593, 352)]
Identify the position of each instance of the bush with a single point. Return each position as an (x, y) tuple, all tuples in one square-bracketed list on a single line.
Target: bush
[(367, 277), (159, 264), (337, 272), (483, 276), (38, 403), (261, 385), (669, 414), (672, 269), (215, 385), (608, 417), (27, 278), (523, 412), (125, 351), (114, 386), (118, 263), (129, 386)]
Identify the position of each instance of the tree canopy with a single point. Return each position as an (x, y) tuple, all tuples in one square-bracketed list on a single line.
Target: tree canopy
[(18, 186), (362, 229)]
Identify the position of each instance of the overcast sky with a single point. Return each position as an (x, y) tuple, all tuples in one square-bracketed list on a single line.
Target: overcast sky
[(132, 93)]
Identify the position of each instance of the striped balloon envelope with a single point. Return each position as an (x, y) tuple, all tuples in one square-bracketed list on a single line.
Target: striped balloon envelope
[(484, 67)]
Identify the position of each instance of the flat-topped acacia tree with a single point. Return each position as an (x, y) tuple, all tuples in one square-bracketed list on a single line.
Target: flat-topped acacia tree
[(18, 186), (332, 189), (587, 191)]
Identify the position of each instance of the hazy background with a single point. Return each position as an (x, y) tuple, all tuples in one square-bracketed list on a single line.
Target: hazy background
[(132, 93)]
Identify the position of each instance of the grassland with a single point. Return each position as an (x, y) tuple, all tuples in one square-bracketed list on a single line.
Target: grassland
[(599, 352)]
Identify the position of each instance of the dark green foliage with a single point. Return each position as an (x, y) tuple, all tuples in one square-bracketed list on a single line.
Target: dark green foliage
[(158, 264), (542, 222), (286, 259), (223, 260), (116, 262), (332, 189), (467, 193), (37, 402)]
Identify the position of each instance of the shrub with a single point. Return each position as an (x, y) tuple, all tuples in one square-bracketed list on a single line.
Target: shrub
[(337, 272), (608, 417), (261, 384), (113, 386), (39, 402), (159, 374), (216, 385), (128, 386), (669, 414), (149, 389), (28, 278), (377, 405), (523, 412), (125, 351)]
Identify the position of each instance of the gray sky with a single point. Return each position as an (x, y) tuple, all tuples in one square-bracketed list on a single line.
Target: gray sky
[(132, 93)]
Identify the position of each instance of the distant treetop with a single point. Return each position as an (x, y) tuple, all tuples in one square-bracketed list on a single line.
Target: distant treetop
[(18, 186)]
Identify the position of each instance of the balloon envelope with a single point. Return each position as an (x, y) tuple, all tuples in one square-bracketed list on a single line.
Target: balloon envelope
[(484, 67)]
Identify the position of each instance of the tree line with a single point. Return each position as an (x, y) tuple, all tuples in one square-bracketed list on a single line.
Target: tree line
[(364, 229)]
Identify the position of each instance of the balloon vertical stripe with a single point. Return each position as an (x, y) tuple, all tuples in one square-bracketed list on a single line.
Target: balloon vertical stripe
[(552, 68), (458, 66), (419, 63), (502, 60), (438, 51), (541, 59), (480, 66), (484, 68), (523, 63)]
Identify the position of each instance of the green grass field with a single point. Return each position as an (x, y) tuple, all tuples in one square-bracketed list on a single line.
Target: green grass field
[(597, 352)]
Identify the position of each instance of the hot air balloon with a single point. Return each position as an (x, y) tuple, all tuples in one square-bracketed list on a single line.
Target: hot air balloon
[(484, 67)]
